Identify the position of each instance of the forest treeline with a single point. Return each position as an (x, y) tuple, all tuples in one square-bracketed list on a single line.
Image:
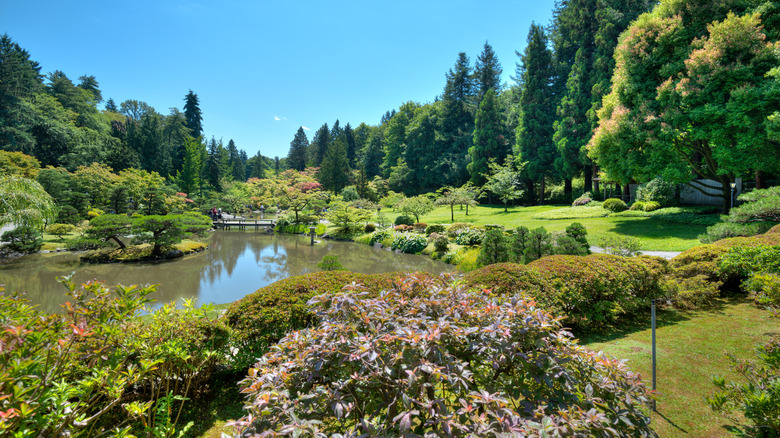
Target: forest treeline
[(620, 91)]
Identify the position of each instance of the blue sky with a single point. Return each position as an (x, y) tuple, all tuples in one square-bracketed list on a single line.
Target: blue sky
[(262, 69)]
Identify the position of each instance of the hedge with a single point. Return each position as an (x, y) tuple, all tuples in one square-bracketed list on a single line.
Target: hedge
[(594, 293), (263, 317)]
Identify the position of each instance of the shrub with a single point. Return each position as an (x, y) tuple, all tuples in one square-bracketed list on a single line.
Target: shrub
[(578, 232), (263, 317), (651, 206), (744, 261), (435, 228), (60, 230), (83, 243), (760, 205), (637, 206), (467, 259), (517, 244), (567, 245), (454, 229), (63, 372), (441, 244), (404, 220), (349, 194), (494, 248), (537, 245), (444, 361), (726, 230), (420, 227), (23, 239), (658, 191), (586, 198), (409, 243), (756, 398), (469, 236), (764, 288), (403, 228), (330, 263), (594, 293), (68, 215), (621, 246), (379, 236), (614, 205), (369, 228)]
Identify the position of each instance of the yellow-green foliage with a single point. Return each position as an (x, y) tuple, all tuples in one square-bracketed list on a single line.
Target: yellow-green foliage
[(467, 259)]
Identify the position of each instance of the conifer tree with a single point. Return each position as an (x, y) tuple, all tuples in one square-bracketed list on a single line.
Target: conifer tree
[(319, 146), (192, 114), (487, 72), (296, 158), (534, 133), (334, 171), (488, 139)]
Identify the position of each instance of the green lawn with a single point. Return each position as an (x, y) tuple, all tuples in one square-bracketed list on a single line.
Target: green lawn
[(691, 348), (653, 234)]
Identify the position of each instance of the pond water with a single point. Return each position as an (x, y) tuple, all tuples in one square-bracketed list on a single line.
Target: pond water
[(235, 264)]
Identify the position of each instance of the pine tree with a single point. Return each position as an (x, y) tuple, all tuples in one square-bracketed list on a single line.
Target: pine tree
[(21, 80), (319, 146), (487, 72), (176, 134), (192, 114), (488, 139), (90, 84), (534, 133), (212, 170), (256, 166), (236, 164), (457, 121), (349, 137), (189, 175), (374, 153), (334, 171), (296, 158), (111, 106)]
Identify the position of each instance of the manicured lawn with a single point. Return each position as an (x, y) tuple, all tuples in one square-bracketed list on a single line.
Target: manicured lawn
[(653, 234), (691, 348)]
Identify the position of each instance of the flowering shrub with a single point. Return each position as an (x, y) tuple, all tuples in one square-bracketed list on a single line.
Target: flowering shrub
[(586, 198), (454, 229), (409, 243), (403, 228), (379, 236), (469, 236), (438, 360)]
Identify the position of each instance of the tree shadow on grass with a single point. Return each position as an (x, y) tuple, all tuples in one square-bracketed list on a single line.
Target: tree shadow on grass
[(664, 317), (654, 229)]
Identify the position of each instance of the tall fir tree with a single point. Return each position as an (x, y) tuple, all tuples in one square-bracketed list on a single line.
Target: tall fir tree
[(319, 146), (21, 80), (236, 164), (189, 175), (534, 133), (457, 120), (175, 135), (192, 114), (374, 153), (489, 142), (395, 135), (213, 170), (487, 72), (334, 171), (296, 157), (349, 137)]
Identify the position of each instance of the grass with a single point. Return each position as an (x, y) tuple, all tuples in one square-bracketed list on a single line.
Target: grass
[(691, 349), (653, 234)]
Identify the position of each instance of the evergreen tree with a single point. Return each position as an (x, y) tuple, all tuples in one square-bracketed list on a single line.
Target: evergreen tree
[(296, 158), (422, 151), (192, 114), (487, 72), (374, 153), (319, 146), (334, 171), (534, 133), (212, 170), (488, 139), (236, 164), (256, 166), (457, 121), (349, 137), (89, 83), (21, 80), (395, 135), (111, 106), (176, 135), (189, 175)]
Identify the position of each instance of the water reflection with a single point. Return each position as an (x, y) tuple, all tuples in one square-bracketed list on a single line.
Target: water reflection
[(236, 263)]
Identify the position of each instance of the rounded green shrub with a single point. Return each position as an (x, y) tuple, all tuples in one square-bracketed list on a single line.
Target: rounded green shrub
[(409, 243), (369, 228), (404, 220), (441, 244), (23, 239), (586, 198), (594, 293), (659, 191), (453, 229), (435, 228), (614, 205), (637, 206), (651, 206)]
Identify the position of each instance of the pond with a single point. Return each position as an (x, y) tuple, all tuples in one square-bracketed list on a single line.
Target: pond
[(235, 264)]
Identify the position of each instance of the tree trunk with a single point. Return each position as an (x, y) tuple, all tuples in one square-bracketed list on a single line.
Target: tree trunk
[(587, 172), (529, 188), (452, 212), (567, 190), (760, 183), (541, 192), (594, 171), (627, 193)]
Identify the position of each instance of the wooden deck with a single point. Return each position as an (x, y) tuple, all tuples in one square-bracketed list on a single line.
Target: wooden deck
[(242, 224)]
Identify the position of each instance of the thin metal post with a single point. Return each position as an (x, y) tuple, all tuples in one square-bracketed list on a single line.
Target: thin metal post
[(652, 317)]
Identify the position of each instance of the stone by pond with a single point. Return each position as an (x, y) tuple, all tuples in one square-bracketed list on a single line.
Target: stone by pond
[(235, 264)]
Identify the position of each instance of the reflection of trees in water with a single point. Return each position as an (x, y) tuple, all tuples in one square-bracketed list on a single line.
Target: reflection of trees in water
[(238, 260)]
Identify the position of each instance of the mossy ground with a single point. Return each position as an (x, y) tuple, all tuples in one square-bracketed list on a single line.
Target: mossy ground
[(137, 253)]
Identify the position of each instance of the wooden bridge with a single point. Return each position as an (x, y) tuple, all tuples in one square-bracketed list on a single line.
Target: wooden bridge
[(242, 224)]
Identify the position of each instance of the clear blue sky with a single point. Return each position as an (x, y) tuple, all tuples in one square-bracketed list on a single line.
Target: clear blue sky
[(261, 69)]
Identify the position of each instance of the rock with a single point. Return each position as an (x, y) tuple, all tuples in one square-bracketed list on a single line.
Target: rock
[(173, 254)]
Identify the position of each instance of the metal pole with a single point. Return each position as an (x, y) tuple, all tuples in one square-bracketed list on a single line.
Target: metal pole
[(652, 317)]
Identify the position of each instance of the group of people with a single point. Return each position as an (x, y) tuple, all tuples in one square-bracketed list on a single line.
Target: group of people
[(216, 213)]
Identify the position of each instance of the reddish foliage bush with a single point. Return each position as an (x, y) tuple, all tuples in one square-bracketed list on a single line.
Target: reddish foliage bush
[(263, 317), (429, 359)]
